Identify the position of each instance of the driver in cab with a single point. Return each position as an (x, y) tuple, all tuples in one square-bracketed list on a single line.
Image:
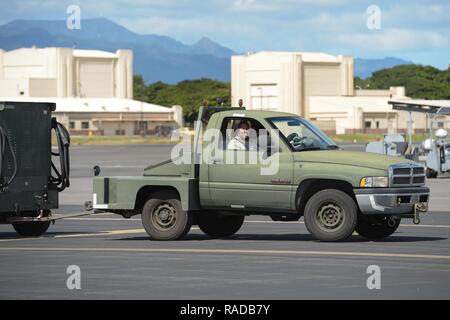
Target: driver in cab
[(242, 139)]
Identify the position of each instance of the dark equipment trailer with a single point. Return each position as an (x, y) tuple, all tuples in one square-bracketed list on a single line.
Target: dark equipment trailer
[(29, 180)]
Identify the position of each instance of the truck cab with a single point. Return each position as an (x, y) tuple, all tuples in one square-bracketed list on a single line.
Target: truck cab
[(248, 162)]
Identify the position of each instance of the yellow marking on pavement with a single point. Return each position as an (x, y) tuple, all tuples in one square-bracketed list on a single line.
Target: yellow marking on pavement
[(264, 221), (107, 233), (79, 235), (236, 251), (104, 219), (425, 225), (401, 225), (13, 239), (103, 233), (127, 231)]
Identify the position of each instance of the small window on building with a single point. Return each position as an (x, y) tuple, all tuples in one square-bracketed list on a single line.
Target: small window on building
[(378, 124), (120, 132), (367, 124), (71, 124), (22, 93), (140, 125), (85, 125), (440, 124)]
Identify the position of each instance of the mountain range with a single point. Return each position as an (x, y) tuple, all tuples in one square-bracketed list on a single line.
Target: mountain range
[(156, 57)]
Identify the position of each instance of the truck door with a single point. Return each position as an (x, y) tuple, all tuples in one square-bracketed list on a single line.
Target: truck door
[(245, 177)]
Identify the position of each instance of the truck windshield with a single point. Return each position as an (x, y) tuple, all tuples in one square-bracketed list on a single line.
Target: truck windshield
[(301, 134)]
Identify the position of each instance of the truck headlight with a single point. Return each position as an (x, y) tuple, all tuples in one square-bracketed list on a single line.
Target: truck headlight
[(374, 182)]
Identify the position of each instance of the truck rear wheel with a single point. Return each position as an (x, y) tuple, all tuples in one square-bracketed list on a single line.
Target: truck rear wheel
[(163, 217), (331, 215), (31, 229), (218, 225), (375, 228)]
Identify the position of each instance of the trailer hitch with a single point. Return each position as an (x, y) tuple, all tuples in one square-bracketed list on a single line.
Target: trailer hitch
[(418, 208)]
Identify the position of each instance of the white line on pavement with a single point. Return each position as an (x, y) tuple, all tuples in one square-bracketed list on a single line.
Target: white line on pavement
[(237, 251)]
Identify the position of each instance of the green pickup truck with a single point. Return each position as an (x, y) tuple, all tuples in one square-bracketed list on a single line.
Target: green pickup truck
[(292, 169)]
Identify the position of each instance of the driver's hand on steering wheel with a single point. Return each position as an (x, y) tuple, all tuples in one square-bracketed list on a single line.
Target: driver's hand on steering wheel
[(297, 141)]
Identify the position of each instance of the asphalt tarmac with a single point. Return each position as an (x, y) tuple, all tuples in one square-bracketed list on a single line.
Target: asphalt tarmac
[(264, 260)]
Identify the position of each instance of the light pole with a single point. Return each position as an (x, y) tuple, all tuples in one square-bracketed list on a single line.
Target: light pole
[(142, 113)]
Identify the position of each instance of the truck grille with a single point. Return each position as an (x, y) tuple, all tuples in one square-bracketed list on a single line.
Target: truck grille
[(406, 174)]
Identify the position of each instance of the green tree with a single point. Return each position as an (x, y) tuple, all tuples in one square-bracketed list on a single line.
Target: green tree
[(189, 94), (138, 87), (421, 82)]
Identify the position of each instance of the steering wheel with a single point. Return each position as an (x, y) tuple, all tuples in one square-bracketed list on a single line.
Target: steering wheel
[(300, 142), (295, 140)]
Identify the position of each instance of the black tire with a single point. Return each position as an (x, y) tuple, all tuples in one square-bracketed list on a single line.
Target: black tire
[(375, 228), (331, 215), (218, 225), (431, 174), (163, 217), (31, 229)]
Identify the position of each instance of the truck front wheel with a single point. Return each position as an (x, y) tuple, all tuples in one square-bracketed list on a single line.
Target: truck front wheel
[(219, 225), (31, 229), (331, 215), (431, 174), (163, 217), (375, 228)]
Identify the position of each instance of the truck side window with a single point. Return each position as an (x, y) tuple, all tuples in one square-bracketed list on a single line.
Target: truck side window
[(240, 134)]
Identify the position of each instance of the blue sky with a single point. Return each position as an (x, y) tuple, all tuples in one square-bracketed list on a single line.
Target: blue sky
[(413, 30)]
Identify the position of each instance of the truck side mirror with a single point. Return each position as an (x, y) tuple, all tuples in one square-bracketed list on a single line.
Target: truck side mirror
[(96, 170)]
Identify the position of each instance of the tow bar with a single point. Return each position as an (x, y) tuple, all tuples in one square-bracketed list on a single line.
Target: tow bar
[(50, 217)]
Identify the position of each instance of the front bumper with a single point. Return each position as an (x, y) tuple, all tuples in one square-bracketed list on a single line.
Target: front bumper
[(392, 201)]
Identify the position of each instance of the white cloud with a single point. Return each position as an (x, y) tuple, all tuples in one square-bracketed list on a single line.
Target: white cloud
[(242, 4), (393, 40), (335, 26), (255, 6), (418, 14), (191, 29)]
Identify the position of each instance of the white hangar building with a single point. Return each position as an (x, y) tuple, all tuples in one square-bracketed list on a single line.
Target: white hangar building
[(319, 87), (93, 89), (66, 73)]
